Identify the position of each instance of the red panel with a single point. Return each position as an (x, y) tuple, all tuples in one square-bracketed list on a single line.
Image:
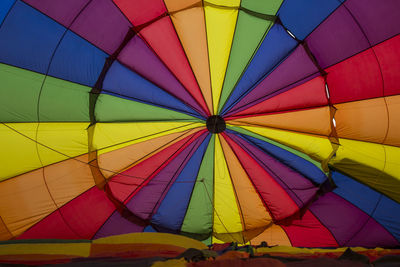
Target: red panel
[(78, 219), (388, 54), (278, 202), (309, 232), (141, 11), (162, 37), (309, 94), (356, 78), (160, 34), (50, 227), (122, 185)]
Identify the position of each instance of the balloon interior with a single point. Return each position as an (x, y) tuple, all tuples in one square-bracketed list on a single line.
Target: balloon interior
[(218, 120)]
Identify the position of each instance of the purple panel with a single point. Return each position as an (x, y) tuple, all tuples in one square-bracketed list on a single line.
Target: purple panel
[(345, 221), (61, 11), (299, 188), (280, 91), (117, 225), (295, 67), (102, 24), (149, 197), (379, 19), (373, 235), (339, 37), (139, 57)]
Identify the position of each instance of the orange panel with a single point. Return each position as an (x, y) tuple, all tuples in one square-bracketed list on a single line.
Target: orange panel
[(68, 179), (374, 120), (4, 232), (362, 120), (254, 213), (118, 160), (190, 26), (274, 236), (314, 121), (25, 199), (393, 136), (176, 5)]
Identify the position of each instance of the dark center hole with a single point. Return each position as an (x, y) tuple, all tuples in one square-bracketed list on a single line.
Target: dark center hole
[(216, 124)]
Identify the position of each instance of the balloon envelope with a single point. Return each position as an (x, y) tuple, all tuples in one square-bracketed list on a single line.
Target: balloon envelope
[(219, 120)]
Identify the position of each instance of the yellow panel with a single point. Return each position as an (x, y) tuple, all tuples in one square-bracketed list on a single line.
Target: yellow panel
[(220, 24), (57, 142), (70, 139), (373, 164), (317, 147), (72, 249), (226, 213), (111, 136), (18, 153), (227, 3), (364, 153), (152, 238), (392, 166), (254, 213), (215, 240)]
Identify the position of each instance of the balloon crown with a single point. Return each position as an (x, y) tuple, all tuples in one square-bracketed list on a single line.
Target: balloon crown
[(216, 124)]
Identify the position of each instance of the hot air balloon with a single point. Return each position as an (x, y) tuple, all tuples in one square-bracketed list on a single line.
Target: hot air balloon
[(220, 120)]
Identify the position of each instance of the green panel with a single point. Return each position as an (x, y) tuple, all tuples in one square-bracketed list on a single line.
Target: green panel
[(298, 153), (250, 32), (269, 7), (115, 109), (248, 35), (19, 91), (64, 101), (60, 101), (199, 215)]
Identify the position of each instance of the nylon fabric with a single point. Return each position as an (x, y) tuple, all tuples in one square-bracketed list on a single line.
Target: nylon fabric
[(219, 45), (177, 199), (227, 216), (40, 144), (111, 136), (318, 148), (190, 26), (255, 214), (372, 164), (199, 218)]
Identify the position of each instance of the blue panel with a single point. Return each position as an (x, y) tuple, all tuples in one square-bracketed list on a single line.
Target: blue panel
[(172, 210), (5, 6), (302, 166), (149, 229), (77, 60), (28, 38), (387, 211), (302, 16), (120, 81), (275, 47)]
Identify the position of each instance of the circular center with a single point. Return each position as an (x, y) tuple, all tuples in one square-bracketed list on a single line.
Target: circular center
[(216, 124)]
